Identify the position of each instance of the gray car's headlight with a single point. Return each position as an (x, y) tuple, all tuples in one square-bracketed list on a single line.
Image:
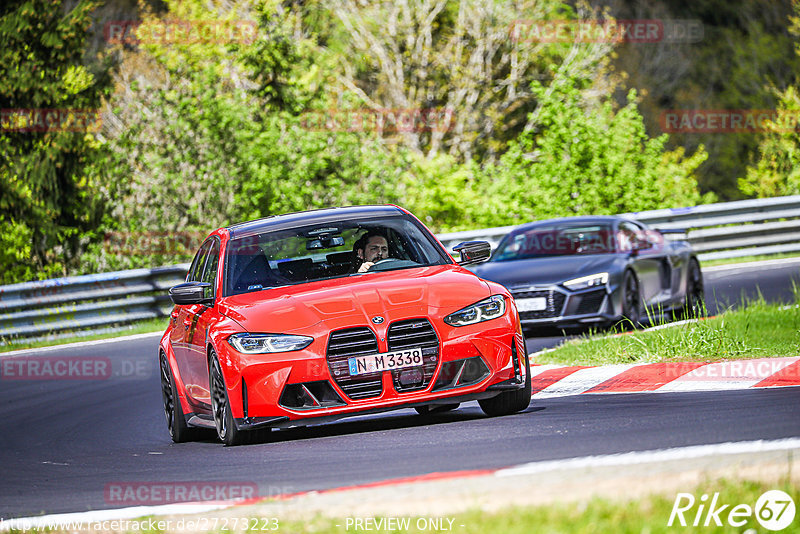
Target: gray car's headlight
[(599, 279), (247, 343), (491, 308)]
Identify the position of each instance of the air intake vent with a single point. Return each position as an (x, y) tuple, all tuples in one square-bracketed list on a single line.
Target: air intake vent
[(344, 344), (414, 333), (310, 395)]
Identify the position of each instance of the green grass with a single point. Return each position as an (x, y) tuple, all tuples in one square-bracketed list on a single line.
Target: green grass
[(757, 330), (142, 327)]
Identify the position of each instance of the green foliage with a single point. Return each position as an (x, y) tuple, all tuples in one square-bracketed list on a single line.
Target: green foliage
[(587, 160), (200, 135), (777, 169), (47, 199)]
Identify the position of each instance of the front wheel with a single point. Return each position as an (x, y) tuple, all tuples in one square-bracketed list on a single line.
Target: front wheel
[(510, 402), (179, 431), (221, 408), (694, 305), (631, 300)]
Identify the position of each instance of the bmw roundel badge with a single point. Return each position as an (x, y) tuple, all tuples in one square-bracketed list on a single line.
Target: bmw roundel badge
[(377, 319)]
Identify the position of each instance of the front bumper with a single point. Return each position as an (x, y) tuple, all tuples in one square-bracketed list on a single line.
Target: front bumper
[(564, 308), (472, 362)]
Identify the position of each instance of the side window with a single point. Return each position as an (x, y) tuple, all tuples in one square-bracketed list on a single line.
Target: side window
[(630, 236), (198, 262), (210, 271)]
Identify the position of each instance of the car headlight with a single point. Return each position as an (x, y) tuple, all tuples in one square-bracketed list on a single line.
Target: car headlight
[(247, 343), (583, 282), (491, 308)]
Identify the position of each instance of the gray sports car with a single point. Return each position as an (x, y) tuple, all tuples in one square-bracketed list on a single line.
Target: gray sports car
[(595, 271)]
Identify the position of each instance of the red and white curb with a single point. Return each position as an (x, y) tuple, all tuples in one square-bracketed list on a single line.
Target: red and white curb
[(558, 381), (85, 520)]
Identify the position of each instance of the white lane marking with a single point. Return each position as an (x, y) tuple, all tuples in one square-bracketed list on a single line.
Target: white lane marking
[(582, 380), (737, 374), (751, 265), (660, 455), (82, 520), (81, 344)]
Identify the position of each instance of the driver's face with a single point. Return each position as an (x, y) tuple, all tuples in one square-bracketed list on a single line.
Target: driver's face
[(376, 249)]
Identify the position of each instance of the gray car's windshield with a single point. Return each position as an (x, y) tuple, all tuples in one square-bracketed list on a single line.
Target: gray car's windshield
[(320, 251), (556, 240)]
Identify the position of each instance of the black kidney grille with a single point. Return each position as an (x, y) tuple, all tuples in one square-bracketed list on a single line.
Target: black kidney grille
[(344, 344), (555, 303), (415, 333)]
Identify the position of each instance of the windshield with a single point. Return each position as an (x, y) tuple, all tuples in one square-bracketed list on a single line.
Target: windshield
[(556, 240), (320, 251)]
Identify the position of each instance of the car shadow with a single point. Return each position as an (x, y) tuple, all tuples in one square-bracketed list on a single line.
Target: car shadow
[(404, 419)]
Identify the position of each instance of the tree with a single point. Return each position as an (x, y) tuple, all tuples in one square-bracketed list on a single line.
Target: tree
[(776, 171), (47, 198), (475, 58), (588, 158)]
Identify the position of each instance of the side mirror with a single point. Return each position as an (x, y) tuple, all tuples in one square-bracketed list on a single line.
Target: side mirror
[(190, 293), (473, 252)]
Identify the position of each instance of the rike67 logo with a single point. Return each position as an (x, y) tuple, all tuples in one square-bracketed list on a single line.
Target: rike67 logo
[(774, 510)]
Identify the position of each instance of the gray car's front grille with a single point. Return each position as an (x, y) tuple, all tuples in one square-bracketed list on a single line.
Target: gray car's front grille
[(590, 302), (555, 303)]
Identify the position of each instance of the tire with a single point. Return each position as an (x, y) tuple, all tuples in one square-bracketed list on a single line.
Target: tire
[(436, 408), (179, 430), (509, 402), (631, 300), (694, 305), (227, 431)]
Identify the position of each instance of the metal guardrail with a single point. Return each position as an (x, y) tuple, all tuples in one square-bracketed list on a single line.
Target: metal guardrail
[(81, 305)]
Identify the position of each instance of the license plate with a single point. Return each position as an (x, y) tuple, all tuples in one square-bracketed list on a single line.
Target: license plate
[(384, 362), (534, 304)]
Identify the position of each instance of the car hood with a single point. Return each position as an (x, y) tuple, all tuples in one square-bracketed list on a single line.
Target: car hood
[(545, 271), (355, 300)]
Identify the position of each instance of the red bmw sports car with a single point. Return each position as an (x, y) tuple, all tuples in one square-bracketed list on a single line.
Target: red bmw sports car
[(315, 316)]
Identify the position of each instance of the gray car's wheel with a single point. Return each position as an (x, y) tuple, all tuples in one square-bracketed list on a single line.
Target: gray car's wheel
[(631, 300), (694, 305), (510, 401), (227, 431), (179, 431)]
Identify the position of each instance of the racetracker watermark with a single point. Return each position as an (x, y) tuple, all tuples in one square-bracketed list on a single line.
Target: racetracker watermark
[(607, 31), (753, 370), (55, 368), (154, 493), (774, 510), (150, 524), (152, 243), (74, 368), (729, 121), (50, 120), (400, 120), (180, 32)]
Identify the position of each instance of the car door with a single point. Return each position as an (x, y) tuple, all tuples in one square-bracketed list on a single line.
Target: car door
[(181, 319), (647, 261), (199, 317)]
